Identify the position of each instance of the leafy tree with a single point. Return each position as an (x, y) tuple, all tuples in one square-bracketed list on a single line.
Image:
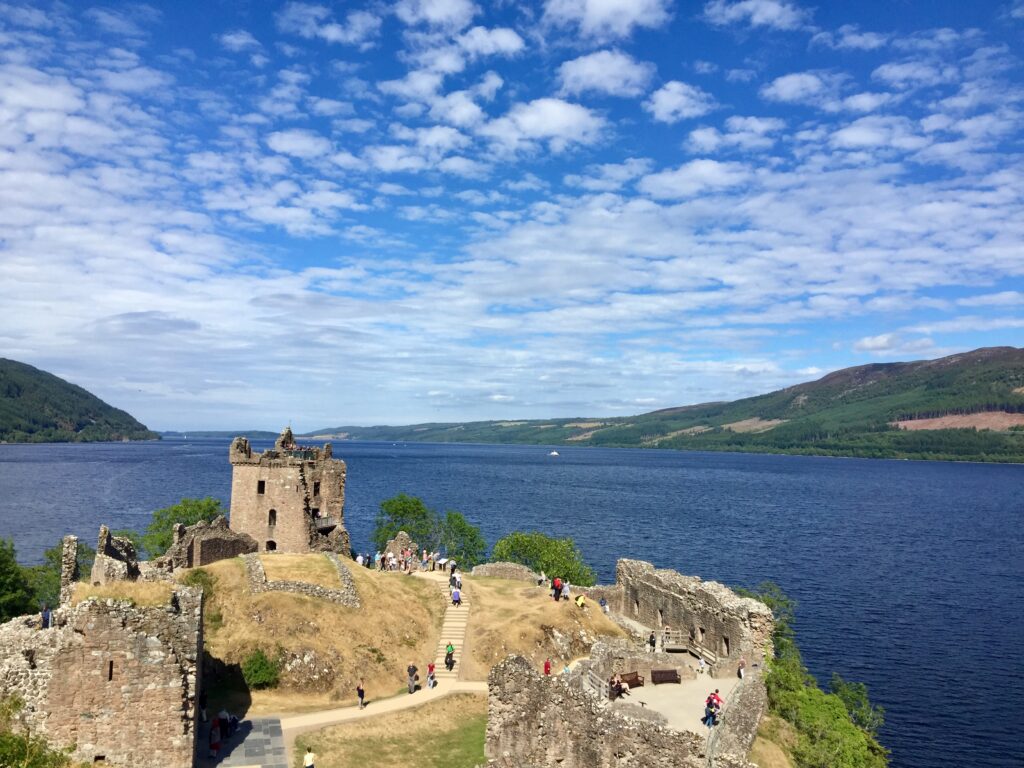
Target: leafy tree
[(556, 557), (260, 671), (409, 514), (160, 532), (864, 714), (20, 747), (15, 590), (45, 579), (462, 540)]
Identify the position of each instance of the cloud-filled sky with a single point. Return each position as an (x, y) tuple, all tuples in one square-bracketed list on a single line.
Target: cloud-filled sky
[(242, 214)]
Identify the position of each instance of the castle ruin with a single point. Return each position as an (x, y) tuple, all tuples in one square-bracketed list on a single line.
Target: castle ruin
[(289, 498)]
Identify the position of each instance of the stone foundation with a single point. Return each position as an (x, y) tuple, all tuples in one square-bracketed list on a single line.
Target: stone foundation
[(346, 595), (511, 571)]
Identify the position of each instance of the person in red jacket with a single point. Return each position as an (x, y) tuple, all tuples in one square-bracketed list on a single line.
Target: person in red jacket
[(547, 666)]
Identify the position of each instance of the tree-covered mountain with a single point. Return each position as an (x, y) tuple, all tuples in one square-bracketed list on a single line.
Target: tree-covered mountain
[(851, 412), (38, 407)]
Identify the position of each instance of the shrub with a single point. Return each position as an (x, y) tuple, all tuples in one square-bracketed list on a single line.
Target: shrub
[(260, 671), (555, 557), (212, 617)]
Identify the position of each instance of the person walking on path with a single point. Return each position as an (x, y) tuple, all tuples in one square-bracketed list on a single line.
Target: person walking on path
[(456, 597), (701, 665), (361, 693), (46, 618), (741, 668), (309, 759), (413, 674), (556, 588), (652, 641), (431, 679), (547, 667), (449, 657), (565, 590), (215, 737)]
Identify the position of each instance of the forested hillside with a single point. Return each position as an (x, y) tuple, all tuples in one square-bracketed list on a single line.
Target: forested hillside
[(38, 407), (851, 412)]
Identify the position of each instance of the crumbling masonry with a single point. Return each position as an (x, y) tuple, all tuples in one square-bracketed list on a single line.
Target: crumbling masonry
[(289, 498)]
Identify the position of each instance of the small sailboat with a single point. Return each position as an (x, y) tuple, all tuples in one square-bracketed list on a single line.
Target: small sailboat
[(553, 453)]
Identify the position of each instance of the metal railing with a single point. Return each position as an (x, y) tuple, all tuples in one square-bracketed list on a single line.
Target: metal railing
[(592, 682), (325, 522), (678, 640)]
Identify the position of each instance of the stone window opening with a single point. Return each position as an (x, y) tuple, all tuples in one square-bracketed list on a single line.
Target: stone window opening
[(661, 618), (110, 671), (271, 546), (272, 518), (701, 634), (316, 513), (725, 646), (99, 759), (261, 487), (636, 608), (316, 487)]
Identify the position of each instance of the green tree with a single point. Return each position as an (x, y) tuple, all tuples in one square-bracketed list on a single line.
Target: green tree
[(261, 671), (409, 514), (462, 540), (556, 557), (160, 532), (864, 714), (15, 590), (20, 747), (45, 579)]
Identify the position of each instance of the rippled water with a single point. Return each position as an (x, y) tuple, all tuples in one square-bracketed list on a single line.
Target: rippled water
[(909, 576)]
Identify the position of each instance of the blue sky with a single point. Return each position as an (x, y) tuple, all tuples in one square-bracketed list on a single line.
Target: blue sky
[(228, 214)]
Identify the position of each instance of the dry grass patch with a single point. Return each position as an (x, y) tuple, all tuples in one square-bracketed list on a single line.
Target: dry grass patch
[(141, 593), (309, 569), (444, 734), (756, 424), (399, 621), (774, 739), (997, 421), (518, 617)]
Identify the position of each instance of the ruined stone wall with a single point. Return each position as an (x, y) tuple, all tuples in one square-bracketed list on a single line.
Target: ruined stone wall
[(116, 559), (733, 627), (401, 541), (511, 571), (745, 708), (205, 543), (284, 496), (346, 593), (610, 656), (546, 722), (111, 680)]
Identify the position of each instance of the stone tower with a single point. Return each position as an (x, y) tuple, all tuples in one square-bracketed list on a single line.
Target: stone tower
[(289, 498)]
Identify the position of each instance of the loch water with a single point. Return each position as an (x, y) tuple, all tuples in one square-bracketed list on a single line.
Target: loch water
[(909, 576)]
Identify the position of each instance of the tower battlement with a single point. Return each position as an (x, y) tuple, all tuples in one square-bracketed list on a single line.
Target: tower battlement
[(289, 498)]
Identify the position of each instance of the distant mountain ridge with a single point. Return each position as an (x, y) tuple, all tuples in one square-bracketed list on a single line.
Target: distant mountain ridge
[(38, 407), (850, 412)]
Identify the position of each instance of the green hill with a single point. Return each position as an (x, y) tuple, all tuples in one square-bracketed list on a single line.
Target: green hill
[(38, 407), (851, 412)]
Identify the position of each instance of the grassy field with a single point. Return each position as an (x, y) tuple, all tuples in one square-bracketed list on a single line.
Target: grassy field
[(771, 747), (445, 734), (519, 617), (311, 569), (141, 593), (399, 620)]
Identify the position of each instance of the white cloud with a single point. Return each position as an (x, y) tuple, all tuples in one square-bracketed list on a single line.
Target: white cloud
[(677, 101), (609, 177), (795, 88), (607, 19), (746, 133), (1001, 299), (882, 343), (299, 142), (446, 14), (418, 85), (559, 123), (879, 131), (915, 74), (693, 178), (480, 41), (774, 14), (239, 40), (849, 37), (395, 158), (315, 21), (610, 72)]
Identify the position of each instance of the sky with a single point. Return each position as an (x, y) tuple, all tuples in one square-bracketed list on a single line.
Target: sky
[(225, 215)]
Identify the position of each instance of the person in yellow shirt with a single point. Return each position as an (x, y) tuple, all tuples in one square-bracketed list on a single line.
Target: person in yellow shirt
[(309, 759)]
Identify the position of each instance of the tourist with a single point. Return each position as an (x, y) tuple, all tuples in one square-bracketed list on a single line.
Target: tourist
[(46, 617), (709, 714), (741, 668), (309, 759), (449, 657), (652, 642), (715, 699), (451, 580), (458, 580), (621, 686), (456, 597), (378, 560), (604, 605), (413, 677), (701, 665), (547, 666), (541, 579), (214, 738), (431, 679), (556, 588), (361, 693), (565, 590), (359, 559), (580, 601)]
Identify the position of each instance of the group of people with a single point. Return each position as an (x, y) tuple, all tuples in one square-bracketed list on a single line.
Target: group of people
[(455, 585), (406, 561), (413, 672), (618, 686), (712, 709), (223, 726)]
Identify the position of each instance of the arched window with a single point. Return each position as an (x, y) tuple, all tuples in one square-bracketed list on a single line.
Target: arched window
[(272, 518), (271, 546)]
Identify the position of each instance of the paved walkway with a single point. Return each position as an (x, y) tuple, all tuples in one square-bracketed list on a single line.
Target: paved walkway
[(258, 743)]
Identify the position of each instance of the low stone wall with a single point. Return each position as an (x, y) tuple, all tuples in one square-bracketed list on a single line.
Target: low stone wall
[(205, 543), (502, 570), (346, 595), (747, 705), (611, 656), (113, 681), (547, 722)]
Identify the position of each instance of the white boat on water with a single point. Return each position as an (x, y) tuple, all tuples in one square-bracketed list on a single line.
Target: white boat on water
[(553, 453)]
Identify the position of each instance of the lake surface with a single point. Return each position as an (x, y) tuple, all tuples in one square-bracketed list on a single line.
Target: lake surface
[(909, 576)]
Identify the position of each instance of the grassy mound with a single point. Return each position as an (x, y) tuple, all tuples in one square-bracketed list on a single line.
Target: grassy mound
[(518, 617), (323, 649)]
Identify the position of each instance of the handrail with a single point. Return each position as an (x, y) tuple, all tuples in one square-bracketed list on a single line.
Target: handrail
[(591, 681)]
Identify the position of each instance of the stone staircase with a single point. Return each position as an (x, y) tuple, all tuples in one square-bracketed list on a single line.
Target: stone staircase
[(453, 630)]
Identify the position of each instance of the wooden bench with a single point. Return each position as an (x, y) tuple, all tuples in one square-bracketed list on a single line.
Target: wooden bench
[(665, 676), (633, 679)]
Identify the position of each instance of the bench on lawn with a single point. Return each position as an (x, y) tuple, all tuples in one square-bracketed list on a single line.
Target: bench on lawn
[(633, 679), (665, 676)]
